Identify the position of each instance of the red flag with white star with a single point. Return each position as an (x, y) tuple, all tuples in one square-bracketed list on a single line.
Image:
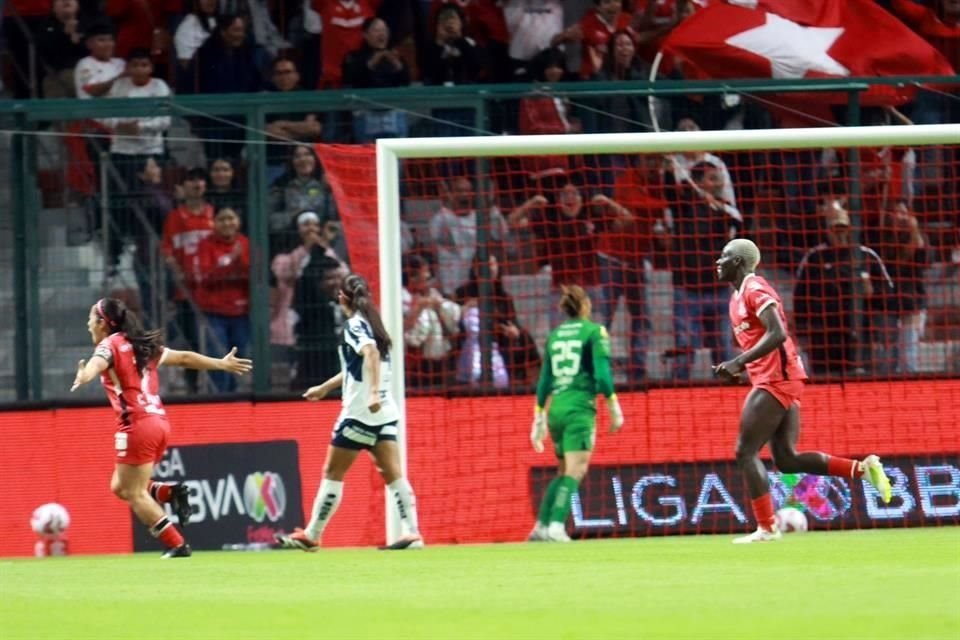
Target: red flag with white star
[(813, 39)]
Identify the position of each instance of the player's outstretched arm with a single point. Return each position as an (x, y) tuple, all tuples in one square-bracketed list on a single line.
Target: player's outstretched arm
[(775, 336), (320, 391), (88, 370), (194, 360)]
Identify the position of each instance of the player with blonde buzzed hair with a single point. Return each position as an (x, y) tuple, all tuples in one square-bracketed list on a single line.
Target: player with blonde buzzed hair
[(771, 412)]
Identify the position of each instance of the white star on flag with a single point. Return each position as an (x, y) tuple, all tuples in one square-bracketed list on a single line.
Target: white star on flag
[(792, 50)]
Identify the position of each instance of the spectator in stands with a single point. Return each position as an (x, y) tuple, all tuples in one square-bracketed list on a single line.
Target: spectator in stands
[(375, 65), (593, 32), (825, 293), (454, 231), (138, 24), (625, 113), (192, 33), (682, 163), (545, 113), (513, 344), (431, 325), (301, 188), (635, 217), (904, 249), (287, 127), (451, 58), (319, 320), (342, 32), (483, 22), (653, 20), (532, 24), (223, 289), (135, 140), (226, 63), (223, 191), (566, 241), (183, 230), (702, 222), (96, 73), (287, 269), (60, 46), (154, 201)]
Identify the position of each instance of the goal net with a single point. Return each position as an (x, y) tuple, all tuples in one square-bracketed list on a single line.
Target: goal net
[(858, 231)]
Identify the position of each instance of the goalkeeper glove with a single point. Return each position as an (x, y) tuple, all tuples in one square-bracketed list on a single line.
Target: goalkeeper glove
[(616, 413), (539, 430)]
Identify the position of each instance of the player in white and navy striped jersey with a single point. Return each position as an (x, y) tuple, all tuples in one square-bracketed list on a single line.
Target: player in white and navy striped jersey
[(368, 420)]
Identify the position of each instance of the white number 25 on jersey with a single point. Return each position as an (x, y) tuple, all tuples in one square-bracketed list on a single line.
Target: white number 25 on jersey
[(565, 357)]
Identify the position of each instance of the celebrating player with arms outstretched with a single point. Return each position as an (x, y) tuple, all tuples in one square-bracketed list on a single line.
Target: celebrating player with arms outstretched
[(771, 412), (575, 368), (368, 420), (126, 360)]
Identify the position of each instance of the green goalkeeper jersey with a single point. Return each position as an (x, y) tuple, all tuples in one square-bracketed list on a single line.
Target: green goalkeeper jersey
[(576, 367)]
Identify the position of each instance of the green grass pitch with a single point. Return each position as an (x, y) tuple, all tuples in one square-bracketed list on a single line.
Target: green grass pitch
[(858, 584)]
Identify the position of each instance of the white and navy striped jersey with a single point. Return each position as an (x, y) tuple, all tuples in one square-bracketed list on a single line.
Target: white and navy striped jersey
[(356, 390)]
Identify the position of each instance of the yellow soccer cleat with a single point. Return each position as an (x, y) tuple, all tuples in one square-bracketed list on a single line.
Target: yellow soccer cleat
[(874, 473)]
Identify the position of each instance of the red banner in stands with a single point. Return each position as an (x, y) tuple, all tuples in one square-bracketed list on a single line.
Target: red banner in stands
[(472, 479)]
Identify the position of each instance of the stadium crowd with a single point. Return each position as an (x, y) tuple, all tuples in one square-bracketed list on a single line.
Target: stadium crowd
[(599, 221)]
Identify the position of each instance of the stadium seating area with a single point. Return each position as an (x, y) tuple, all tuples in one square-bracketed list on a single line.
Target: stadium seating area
[(140, 206)]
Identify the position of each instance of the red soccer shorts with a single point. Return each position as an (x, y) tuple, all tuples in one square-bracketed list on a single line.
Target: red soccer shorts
[(787, 392), (143, 441)]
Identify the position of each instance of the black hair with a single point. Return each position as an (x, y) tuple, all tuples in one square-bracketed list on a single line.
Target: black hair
[(411, 264), (369, 23), (357, 293), (226, 20), (101, 28), (197, 173), (147, 345), (202, 18), (140, 53), (699, 170), (552, 57)]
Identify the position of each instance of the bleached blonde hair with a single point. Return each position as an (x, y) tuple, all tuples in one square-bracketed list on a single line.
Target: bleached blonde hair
[(746, 250)]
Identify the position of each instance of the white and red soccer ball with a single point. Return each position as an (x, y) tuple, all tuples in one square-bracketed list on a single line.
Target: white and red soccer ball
[(791, 520), (50, 520)]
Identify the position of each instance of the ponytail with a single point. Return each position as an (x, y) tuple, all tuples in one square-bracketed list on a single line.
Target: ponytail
[(573, 300), (357, 293), (147, 345)]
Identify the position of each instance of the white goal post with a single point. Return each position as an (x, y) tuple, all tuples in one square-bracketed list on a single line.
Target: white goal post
[(390, 151)]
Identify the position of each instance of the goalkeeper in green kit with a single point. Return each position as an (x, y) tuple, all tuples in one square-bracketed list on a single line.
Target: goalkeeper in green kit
[(576, 367)]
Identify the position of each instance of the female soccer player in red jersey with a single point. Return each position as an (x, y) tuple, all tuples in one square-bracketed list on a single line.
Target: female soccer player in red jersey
[(771, 412), (126, 359)]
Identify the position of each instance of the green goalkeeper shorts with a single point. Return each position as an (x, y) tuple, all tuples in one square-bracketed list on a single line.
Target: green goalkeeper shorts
[(575, 432)]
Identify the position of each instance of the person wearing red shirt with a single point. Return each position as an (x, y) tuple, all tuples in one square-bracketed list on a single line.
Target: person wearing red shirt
[(183, 230), (342, 22), (771, 412), (126, 360), (594, 31), (223, 287), (625, 243)]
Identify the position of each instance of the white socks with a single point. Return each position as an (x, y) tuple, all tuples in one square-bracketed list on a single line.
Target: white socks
[(324, 506), (406, 503)]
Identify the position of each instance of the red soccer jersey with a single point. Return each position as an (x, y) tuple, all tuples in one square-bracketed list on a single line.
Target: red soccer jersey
[(134, 394), (342, 33), (596, 35), (754, 296)]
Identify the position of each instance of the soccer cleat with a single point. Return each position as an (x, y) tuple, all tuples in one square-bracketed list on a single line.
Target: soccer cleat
[(760, 535), (875, 475), (297, 540), (180, 500), (183, 551), (414, 541), (539, 533), (556, 532)]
